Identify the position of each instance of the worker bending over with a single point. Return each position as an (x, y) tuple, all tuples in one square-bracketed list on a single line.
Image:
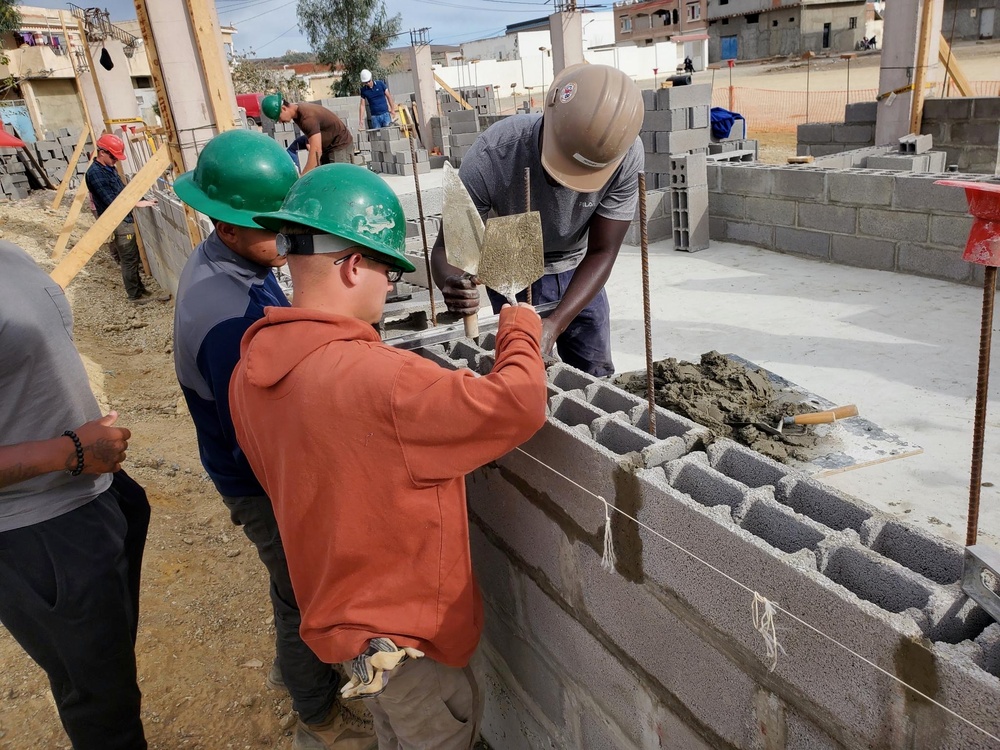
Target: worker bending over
[(584, 157)]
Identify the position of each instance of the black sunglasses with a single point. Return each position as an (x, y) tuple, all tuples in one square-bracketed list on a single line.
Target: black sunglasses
[(394, 273)]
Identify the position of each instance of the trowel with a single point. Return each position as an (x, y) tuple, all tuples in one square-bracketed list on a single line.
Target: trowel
[(511, 258), (463, 233), (810, 418)]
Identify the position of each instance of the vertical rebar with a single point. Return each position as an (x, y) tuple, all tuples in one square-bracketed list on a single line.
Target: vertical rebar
[(982, 395), (423, 229), (527, 209), (646, 314)]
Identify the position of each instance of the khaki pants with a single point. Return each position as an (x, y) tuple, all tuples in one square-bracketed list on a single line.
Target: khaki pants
[(428, 706)]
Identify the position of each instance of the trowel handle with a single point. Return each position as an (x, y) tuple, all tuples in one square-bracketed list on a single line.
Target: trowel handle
[(471, 325), (824, 417)]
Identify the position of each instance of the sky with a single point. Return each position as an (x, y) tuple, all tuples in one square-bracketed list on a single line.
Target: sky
[(270, 27)]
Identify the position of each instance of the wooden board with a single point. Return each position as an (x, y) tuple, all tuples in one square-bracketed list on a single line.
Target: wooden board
[(844, 445)]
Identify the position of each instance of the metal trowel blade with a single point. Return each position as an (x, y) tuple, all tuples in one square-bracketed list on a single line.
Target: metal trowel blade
[(511, 257)]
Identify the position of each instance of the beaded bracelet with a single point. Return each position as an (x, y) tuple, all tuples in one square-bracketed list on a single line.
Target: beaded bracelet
[(79, 452)]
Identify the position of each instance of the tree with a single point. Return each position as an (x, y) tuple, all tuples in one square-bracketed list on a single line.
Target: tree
[(10, 21), (250, 76), (349, 34)]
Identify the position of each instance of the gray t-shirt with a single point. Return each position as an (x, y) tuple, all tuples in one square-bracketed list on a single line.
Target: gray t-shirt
[(44, 386), (493, 173)]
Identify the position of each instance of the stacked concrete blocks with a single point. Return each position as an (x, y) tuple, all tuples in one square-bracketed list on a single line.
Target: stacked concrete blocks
[(462, 131), (663, 652), (676, 121), (689, 201), (390, 153), (52, 154), (968, 129), (880, 219), (14, 183), (658, 219), (482, 99)]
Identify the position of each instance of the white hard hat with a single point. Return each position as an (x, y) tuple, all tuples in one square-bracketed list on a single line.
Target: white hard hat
[(366, 75)]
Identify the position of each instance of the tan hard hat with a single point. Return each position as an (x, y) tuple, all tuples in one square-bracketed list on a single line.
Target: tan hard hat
[(592, 116)]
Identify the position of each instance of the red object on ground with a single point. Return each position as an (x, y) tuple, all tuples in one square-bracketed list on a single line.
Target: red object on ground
[(983, 246)]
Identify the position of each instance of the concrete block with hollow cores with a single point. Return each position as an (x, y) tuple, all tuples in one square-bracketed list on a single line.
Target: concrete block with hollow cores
[(863, 188), (863, 252), (738, 179), (802, 242), (677, 97), (800, 183)]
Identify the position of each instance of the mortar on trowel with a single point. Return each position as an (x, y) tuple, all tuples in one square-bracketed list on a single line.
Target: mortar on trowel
[(800, 421)]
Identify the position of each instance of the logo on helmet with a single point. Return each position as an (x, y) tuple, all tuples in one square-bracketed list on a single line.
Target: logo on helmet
[(375, 221), (567, 93)]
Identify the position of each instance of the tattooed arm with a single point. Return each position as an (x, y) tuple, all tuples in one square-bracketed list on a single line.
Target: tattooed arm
[(104, 449)]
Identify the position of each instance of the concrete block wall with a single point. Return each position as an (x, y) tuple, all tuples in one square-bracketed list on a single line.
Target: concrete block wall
[(388, 152), (164, 234), (676, 121), (482, 99), (662, 652), (878, 219), (52, 153), (968, 129)]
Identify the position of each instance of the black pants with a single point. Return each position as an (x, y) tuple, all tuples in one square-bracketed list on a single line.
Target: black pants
[(312, 683), (128, 258), (69, 594)]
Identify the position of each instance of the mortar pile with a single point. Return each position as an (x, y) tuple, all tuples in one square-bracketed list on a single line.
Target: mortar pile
[(717, 392)]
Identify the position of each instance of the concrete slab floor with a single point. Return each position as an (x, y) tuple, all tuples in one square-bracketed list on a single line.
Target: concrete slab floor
[(903, 348)]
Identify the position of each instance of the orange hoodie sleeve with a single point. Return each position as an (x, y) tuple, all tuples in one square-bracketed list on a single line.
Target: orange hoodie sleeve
[(452, 422)]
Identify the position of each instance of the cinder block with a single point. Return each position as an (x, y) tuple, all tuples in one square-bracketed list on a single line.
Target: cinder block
[(681, 141), (492, 569), (745, 465), (737, 179), (568, 378), (677, 97), (919, 193), (815, 132), (462, 115), (648, 139), (940, 263), (821, 503), (861, 112), (873, 578), (460, 128), (752, 234), (727, 206), (771, 211), (688, 170), (800, 183), (693, 476), (841, 219), (802, 242), (977, 133), (698, 116), (717, 693), (952, 231), (895, 225), (915, 144), (955, 108), (863, 252), (899, 162), (860, 188), (648, 99), (669, 424), (574, 412), (781, 528), (986, 108), (665, 120), (931, 557), (851, 133)]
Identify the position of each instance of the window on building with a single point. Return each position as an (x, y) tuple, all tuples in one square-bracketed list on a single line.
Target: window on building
[(791, 20), (725, 21), (626, 24), (694, 12), (853, 22), (676, 16), (774, 23), (753, 17), (723, 2)]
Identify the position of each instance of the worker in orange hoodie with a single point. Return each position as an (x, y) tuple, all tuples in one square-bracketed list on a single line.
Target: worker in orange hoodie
[(363, 450)]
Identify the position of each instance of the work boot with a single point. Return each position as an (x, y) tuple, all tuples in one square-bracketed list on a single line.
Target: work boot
[(337, 732), (150, 297), (274, 680)]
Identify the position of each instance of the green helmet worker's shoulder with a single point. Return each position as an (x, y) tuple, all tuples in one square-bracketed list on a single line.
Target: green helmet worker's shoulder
[(239, 174), (346, 201), (270, 105)]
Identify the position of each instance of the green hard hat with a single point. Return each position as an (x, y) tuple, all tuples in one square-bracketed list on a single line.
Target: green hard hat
[(346, 201), (239, 174), (270, 105)]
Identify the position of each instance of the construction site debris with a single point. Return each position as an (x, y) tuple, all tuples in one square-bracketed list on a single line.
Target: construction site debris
[(719, 394)]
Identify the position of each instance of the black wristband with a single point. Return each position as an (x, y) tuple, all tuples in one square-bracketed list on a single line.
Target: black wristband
[(79, 452)]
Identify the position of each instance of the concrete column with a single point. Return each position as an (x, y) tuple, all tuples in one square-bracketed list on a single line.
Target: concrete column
[(900, 41), (566, 33), (34, 112), (423, 85), (115, 84), (187, 92)]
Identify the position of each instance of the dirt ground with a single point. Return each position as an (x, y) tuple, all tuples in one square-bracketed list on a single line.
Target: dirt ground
[(206, 637)]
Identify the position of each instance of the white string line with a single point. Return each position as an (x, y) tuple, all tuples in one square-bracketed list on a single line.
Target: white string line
[(776, 606)]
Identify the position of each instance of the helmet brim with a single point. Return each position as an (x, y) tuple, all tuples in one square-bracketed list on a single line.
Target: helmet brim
[(191, 194), (572, 174), (274, 221)]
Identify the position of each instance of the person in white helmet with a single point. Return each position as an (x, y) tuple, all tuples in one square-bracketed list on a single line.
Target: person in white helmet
[(379, 98)]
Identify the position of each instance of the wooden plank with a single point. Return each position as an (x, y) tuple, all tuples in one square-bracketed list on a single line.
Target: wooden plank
[(84, 250), (952, 68), (206, 36), (166, 114), (800, 160), (71, 217), (71, 168), (920, 72), (454, 94)]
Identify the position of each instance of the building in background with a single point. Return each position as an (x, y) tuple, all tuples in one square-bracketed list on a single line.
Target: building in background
[(755, 29)]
